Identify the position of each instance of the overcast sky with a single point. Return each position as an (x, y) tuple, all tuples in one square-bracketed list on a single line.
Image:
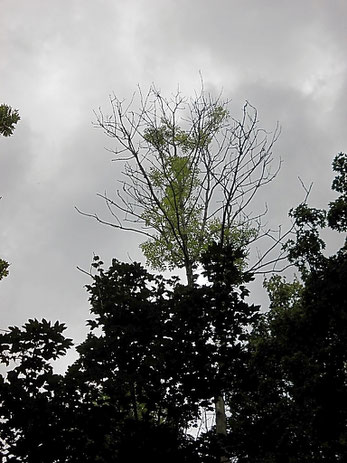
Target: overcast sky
[(60, 60)]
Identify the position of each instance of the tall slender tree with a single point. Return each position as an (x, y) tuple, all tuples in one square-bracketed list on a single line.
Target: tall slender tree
[(191, 173)]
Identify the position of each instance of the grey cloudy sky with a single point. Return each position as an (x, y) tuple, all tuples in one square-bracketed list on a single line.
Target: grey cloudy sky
[(59, 61)]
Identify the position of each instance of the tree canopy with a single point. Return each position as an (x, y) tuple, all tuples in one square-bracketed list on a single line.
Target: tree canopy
[(190, 174), (293, 403), (157, 351)]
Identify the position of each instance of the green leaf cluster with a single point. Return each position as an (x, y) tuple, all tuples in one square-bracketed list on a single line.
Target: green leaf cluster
[(3, 268), (183, 233), (9, 117), (169, 135)]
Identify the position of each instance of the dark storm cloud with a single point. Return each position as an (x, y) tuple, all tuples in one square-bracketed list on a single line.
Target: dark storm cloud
[(61, 60)]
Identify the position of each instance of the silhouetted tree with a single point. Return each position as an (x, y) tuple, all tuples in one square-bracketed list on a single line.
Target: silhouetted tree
[(293, 405), (163, 349), (29, 414), (157, 351)]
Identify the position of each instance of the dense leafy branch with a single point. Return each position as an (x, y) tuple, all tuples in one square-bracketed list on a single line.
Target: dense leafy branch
[(3, 268), (9, 117)]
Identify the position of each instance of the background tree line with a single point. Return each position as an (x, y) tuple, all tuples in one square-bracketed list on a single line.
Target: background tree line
[(159, 353)]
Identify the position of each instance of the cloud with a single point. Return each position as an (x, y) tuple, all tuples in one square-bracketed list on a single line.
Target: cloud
[(61, 60)]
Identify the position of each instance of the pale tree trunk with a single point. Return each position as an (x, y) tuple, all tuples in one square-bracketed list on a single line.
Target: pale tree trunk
[(189, 274)]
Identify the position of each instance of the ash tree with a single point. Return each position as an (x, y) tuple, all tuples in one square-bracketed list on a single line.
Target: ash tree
[(190, 174)]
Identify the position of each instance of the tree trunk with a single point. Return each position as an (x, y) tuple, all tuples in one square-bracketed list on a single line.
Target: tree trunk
[(189, 274), (221, 422)]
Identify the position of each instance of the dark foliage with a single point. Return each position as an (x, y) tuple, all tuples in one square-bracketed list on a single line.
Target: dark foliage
[(158, 351), (293, 402), (28, 409), (9, 117)]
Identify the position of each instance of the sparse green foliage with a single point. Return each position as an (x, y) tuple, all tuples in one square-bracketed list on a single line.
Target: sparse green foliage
[(283, 294), (178, 183), (191, 171)]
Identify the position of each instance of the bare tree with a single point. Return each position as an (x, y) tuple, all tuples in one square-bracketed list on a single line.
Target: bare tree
[(191, 172)]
